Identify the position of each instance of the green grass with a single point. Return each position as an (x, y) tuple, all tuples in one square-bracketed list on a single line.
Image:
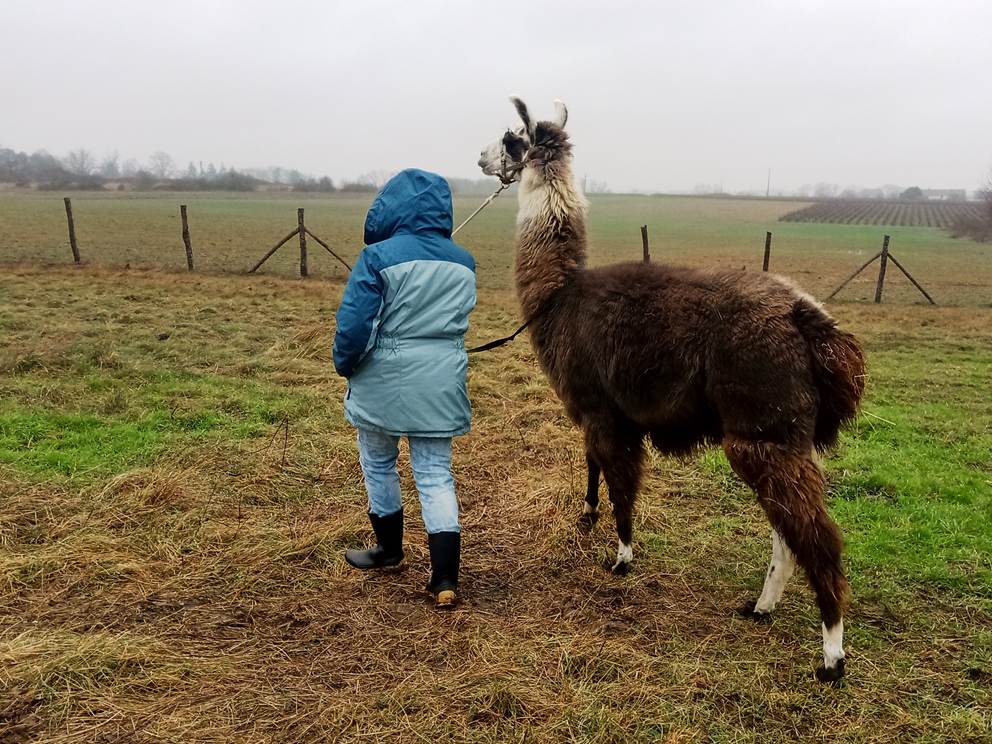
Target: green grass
[(914, 490), (105, 423), (55, 443)]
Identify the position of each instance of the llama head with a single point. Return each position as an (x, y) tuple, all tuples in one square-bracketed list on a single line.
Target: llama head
[(541, 140)]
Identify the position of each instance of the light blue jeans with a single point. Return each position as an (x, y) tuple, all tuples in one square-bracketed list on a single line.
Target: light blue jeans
[(430, 458)]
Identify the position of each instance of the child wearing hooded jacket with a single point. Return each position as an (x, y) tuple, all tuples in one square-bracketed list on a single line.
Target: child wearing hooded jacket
[(400, 344)]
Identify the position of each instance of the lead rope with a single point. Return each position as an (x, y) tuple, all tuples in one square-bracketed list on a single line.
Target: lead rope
[(500, 341), (502, 187), (506, 180), (506, 177)]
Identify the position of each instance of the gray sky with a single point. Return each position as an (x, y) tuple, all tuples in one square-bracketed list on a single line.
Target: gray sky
[(662, 95)]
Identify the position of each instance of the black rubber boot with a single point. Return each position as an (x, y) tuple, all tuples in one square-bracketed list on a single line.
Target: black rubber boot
[(445, 550), (388, 550)]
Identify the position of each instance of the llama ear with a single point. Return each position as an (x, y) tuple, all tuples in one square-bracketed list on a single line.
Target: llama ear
[(524, 116), (561, 113)]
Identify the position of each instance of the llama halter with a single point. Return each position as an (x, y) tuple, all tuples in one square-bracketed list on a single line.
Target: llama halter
[(507, 176)]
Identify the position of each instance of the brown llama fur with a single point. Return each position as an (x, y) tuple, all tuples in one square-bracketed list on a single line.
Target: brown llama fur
[(684, 358)]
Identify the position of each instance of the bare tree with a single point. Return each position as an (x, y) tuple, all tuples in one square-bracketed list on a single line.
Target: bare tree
[(44, 167), (130, 168), (825, 190), (376, 178), (592, 186), (110, 166), (161, 164), (985, 194), (80, 162)]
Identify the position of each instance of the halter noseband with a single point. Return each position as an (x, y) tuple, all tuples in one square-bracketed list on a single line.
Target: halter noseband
[(507, 174)]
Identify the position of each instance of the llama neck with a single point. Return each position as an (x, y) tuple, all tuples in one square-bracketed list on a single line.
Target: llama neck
[(551, 234)]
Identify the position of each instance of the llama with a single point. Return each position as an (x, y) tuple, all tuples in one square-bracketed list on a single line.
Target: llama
[(684, 358)]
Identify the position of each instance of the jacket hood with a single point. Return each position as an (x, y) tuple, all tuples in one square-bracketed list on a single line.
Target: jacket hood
[(413, 201)]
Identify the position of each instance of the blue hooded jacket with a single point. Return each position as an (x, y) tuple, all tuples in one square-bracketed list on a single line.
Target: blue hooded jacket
[(400, 336)]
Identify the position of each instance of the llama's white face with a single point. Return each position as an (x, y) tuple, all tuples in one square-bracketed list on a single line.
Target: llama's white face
[(505, 157)]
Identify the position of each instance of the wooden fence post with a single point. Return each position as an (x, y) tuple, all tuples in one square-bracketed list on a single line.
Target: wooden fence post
[(881, 270), (303, 242), (768, 251), (72, 231), (186, 242), (644, 242)]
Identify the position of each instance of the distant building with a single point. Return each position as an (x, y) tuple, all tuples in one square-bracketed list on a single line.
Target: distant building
[(945, 194)]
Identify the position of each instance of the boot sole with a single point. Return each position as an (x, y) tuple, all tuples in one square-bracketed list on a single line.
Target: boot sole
[(385, 567), (446, 599)]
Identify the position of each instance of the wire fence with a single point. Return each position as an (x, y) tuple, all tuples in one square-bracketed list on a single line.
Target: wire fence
[(301, 232)]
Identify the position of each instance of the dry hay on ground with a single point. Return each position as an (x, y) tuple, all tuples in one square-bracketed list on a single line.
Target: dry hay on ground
[(201, 596)]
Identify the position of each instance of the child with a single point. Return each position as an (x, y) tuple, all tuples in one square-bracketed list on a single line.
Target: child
[(400, 343)]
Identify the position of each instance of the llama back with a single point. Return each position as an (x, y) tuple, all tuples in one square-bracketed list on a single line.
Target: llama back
[(838, 370)]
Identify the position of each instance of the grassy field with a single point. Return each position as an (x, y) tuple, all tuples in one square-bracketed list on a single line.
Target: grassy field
[(231, 232), (177, 485)]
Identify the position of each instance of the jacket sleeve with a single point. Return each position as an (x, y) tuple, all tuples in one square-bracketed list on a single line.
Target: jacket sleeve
[(357, 314)]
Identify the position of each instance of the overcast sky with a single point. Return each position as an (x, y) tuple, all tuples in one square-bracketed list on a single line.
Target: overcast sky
[(662, 95)]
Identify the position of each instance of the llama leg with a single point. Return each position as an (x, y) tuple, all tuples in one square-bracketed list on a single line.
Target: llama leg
[(790, 488), (623, 513), (621, 455), (780, 570), (590, 508), (622, 478)]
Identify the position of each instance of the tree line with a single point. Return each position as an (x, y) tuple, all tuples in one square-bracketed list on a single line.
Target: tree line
[(81, 169)]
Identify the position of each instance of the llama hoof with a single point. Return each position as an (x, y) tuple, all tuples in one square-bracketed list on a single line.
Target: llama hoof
[(834, 675), (587, 521), (615, 567), (625, 556), (747, 610), (620, 569)]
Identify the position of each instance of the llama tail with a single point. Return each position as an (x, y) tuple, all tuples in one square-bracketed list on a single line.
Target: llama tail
[(838, 369)]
